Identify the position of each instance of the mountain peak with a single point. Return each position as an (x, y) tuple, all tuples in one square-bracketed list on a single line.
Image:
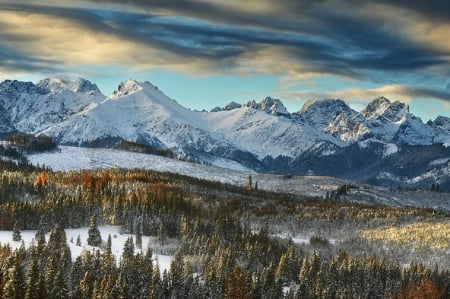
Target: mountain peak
[(273, 106), (268, 105), (384, 110), (59, 84), (127, 87), (324, 104), (83, 85), (14, 86)]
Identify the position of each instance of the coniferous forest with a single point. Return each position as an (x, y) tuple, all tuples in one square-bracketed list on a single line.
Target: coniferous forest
[(233, 242)]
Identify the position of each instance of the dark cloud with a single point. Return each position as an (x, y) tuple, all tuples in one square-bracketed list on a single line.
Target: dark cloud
[(431, 9), (419, 92), (13, 60), (328, 36)]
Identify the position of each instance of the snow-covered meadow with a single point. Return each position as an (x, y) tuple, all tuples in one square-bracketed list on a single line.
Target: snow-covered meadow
[(118, 240), (77, 158)]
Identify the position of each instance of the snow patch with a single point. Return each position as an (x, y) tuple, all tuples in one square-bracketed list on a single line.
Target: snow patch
[(117, 242), (390, 149), (439, 161)]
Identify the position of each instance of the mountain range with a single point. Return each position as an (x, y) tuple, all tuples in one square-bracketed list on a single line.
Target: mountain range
[(383, 144)]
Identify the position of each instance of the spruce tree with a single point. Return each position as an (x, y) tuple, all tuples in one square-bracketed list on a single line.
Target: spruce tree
[(94, 238), (128, 249), (162, 235), (16, 285), (139, 235), (17, 236), (32, 283)]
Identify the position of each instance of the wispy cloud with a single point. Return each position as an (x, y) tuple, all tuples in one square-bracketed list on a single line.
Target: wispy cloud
[(350, 39), (363, 96)]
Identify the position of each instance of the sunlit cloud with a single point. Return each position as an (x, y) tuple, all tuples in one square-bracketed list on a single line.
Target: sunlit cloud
[(363, 96)]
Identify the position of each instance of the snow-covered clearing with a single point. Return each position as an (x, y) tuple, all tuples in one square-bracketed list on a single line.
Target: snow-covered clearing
[(77, 158), (118, 240)]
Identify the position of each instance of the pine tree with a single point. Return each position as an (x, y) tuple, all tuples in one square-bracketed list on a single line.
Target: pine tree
[(42, 229), (139, 234), (236, 286), (156, 283), (32, 283), (17, 236), (87, 285), (94, 238), (128, 249), (162, 235), (108, 260), (16, 285)]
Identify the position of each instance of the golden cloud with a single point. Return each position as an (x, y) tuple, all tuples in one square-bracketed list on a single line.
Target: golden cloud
[(433, 33), (73, 44)]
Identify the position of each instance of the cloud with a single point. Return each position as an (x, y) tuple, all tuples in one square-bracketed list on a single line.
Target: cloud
[(359, 95), (431, 9), (388, 43)]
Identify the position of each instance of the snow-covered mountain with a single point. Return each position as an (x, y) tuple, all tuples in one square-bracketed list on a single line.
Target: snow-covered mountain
[(324, 137)]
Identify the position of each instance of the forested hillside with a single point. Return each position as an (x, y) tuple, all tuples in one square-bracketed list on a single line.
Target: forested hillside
[(233, 242)]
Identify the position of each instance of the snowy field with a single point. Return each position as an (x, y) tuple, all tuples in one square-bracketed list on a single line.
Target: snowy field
[(117, 243), (76, 158)]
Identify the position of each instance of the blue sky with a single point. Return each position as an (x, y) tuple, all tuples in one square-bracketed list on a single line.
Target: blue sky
[(208, 53)]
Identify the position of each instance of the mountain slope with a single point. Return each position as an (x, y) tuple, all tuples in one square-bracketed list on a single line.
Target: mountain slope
[(325, 137)]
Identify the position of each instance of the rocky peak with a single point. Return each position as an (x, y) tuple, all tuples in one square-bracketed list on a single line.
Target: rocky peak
[(57, 85), (232, 105), (15, 87), (320, 113), (83, 85), (273, 106), (126, 88), (382, 109)]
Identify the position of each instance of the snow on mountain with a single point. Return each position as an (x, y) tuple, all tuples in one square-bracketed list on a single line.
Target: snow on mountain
[(391, 121), (56, 85), (262, 136), (255, 131), (134, 112), (269, 106), (320, 113), (441, 130), (34, 108), (382, 120)]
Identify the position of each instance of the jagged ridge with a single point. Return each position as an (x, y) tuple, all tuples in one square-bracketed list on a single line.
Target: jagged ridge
[(260, 135)]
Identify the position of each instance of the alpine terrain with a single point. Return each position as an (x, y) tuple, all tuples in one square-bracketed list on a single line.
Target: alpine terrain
[(383, 144)]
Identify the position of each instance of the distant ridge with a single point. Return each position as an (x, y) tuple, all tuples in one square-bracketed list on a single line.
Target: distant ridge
[(325, 137)]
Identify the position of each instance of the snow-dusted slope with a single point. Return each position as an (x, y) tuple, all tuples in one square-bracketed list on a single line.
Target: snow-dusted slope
[(382, 120), (34, 108), (262, 136), (265, 135), (141, 113)]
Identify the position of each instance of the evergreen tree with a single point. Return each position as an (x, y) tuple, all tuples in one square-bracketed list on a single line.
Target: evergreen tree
[(42, 229), (128, 249), (236, 286), (17, 236), (32, 283), (156, 283), (139, 234), (162, 235), (94, 237), (16, 284)]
